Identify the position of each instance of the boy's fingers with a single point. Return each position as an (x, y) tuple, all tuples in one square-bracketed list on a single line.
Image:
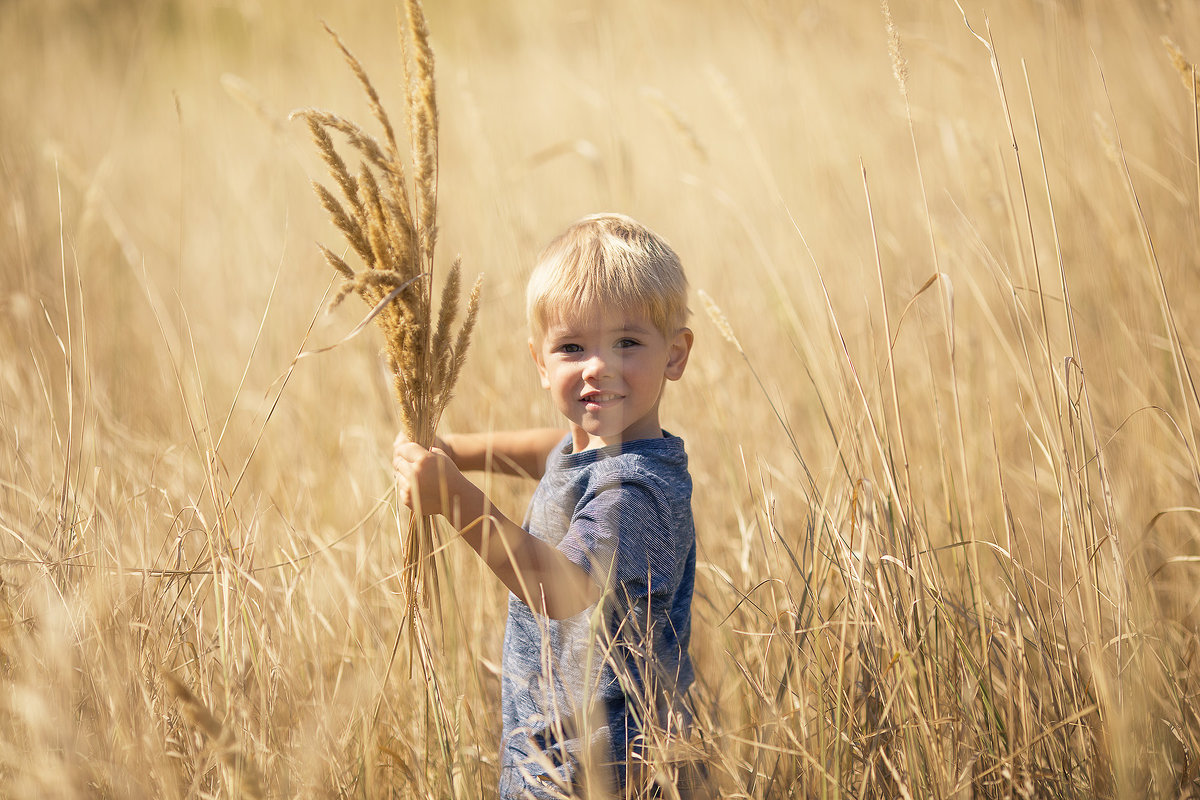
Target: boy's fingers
[(406, 494), (400, 461), (409, 451)]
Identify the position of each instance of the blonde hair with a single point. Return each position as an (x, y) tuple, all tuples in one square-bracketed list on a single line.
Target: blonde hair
[(608, 260)]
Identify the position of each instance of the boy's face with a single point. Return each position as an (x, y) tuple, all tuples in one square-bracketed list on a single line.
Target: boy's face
[(605, 371)]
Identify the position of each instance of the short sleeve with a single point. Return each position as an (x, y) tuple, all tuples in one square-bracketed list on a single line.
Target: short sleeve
[(621, 537)]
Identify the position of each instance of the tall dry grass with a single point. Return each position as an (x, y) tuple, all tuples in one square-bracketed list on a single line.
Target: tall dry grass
[(946, 462)]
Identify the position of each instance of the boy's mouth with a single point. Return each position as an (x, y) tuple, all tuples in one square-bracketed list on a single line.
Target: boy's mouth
[(599, 399)]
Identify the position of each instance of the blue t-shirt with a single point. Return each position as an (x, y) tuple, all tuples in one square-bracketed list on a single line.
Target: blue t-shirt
[(592, 682)]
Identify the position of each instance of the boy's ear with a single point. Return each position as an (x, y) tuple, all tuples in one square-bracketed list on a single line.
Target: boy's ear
[(536, 351), (678, 351)]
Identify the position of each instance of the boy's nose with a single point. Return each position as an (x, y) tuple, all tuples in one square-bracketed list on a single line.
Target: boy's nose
[(596, 367)]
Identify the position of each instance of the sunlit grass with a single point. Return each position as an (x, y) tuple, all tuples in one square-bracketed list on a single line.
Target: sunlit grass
[(947, 483)]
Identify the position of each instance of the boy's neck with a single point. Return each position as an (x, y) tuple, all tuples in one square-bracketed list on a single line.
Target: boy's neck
[(581, 440)]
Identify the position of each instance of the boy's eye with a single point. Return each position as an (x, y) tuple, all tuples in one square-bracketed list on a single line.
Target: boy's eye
[(627, 342), (569, 348)]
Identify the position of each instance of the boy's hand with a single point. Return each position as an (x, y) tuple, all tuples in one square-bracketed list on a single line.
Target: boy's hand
[(430, 482), (438, 444), (427, 481)]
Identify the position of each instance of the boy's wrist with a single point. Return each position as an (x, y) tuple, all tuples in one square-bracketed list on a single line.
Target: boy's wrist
[(470, 504)]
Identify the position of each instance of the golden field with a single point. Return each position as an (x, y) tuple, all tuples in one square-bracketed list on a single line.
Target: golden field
[(947, 482)]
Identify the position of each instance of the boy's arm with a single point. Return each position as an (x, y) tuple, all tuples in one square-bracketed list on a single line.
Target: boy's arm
[(521, 453), (510, 452), (538, 574)]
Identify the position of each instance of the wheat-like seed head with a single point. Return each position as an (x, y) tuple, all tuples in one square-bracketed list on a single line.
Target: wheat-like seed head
[(393, 232), (899, 62), (676, 120), (349, 226), (423, 117), (336, 262), (337, 167), (448, 310), (718, 318), (1186, 70), (458, 353), (372, 96)]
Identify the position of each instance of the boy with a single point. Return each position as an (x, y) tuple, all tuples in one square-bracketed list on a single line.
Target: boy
[(595, 663)]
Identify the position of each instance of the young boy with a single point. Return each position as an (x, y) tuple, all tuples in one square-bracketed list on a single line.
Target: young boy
[(595, 663)]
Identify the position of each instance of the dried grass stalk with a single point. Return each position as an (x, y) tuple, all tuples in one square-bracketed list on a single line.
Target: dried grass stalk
[(393, 229)]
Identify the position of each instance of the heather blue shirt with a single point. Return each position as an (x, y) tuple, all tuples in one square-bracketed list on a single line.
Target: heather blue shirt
[(588, 683)]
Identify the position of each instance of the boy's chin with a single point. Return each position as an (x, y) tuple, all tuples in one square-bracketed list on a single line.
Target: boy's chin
[(601, 428)]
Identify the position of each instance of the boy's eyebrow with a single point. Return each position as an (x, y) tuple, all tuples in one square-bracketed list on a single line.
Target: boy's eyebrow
[(560, 330), (627, 328)]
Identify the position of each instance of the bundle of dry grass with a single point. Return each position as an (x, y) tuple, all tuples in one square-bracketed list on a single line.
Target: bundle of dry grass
[(393, 231)]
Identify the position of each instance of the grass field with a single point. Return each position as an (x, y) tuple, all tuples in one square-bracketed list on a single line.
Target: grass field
[(943, 422)]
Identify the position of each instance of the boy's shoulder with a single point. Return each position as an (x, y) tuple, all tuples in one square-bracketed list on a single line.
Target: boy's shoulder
[(651, 479)]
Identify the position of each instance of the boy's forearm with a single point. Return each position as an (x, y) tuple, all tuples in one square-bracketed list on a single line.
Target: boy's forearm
[(509, 452), (538, 574)]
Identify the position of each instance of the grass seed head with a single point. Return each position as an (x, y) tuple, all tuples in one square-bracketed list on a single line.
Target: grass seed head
[(899, 62), (393, 231)]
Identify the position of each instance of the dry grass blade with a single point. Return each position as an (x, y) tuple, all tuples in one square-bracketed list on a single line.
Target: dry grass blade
[(394, 237)]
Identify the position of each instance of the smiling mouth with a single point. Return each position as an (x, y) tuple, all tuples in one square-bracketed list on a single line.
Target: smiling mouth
[(599, 398)]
